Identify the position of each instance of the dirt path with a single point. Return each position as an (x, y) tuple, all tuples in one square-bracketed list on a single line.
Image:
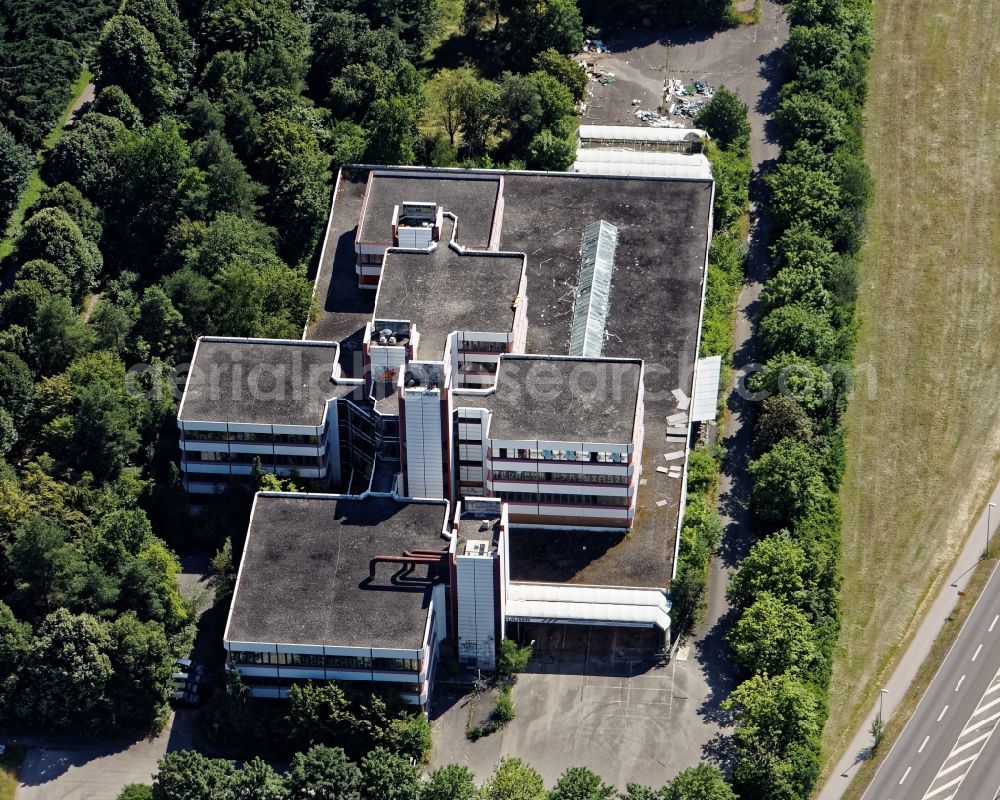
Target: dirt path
[(924, 422)]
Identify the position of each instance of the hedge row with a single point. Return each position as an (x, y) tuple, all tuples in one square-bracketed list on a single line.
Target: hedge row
[(787, 587)]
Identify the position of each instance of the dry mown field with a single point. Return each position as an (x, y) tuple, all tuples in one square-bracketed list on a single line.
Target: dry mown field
[(924, 441)]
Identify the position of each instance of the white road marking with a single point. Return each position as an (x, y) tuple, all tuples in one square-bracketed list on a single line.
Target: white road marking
[(948, 789), (944, 788), (977, 652), (957, 685), (905, 774), (990, 704), (967, 745), (923, 744), (994, 622), (980, 724), (957, 764)]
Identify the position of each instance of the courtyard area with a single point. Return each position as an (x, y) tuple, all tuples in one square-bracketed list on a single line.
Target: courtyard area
[(592, 696)]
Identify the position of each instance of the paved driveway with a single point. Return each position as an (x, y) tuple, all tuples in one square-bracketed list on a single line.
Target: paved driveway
[(596, 697), (98, 772), (743, 59)]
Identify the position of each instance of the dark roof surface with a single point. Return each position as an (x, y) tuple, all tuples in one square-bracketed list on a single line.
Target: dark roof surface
[(655, 296), (444, 291), (472, 197), (304, 576), (561, 399), (636, 559), (344, 308), (256, 381)]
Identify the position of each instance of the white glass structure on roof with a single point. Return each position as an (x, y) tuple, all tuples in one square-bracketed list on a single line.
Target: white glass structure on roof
[(593, 289)]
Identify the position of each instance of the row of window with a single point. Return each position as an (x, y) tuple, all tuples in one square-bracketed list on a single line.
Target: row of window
[(325, 662), (544, 498), (562, 455), (478, 366), (559, 477), (263, 681), (240, 436), (482, 347), (248, 458)]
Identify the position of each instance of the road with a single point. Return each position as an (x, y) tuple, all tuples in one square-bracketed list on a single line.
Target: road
[(902, 676), (947, 749)]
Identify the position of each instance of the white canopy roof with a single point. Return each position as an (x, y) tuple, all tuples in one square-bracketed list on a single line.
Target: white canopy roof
[(588, 605), (705, 404), (638, 133)]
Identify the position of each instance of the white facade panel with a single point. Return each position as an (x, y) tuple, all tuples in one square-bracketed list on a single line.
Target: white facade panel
[(249, 427)]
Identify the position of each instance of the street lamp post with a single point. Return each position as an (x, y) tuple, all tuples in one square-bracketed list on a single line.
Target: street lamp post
[(881, 695), (989, 520)]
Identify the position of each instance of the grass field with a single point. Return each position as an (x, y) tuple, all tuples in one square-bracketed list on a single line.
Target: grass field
[(924, 437)]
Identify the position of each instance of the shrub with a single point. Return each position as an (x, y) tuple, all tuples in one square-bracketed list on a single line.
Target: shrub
[(136, 791), (512, 659), (703, 470), (503, 707)]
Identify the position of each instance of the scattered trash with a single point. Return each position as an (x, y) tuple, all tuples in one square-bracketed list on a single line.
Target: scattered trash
[(635, 101), (594, 46)]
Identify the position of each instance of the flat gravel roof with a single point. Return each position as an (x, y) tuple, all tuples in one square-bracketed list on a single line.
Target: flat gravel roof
[(562, 399), (656, 285), (636, 559), (444, 291), (260, 381), (472, 197), (304, 575)]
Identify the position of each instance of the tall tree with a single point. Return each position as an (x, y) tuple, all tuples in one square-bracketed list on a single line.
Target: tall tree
[(514, 780), (59, 337), (142, 666), (387, 776), (323, 772), (704, 782), (188, 775), (104, 432), (580, 783), (53, 236), (129, 56), (66, 672)]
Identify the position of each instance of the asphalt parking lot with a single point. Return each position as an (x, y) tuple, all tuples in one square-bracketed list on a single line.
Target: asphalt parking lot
[(743, 59), (592, 696)]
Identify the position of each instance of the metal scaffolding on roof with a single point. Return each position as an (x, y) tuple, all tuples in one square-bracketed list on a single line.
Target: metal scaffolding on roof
[(593, 289)]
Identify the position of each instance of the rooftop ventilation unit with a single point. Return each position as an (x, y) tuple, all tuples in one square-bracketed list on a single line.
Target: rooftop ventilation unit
[(593, 289)]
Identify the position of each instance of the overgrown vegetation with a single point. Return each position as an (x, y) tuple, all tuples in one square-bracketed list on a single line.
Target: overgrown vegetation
[(725, 120), (786, 589)]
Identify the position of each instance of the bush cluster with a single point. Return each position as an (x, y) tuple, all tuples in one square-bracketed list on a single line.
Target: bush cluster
[(786, 589)]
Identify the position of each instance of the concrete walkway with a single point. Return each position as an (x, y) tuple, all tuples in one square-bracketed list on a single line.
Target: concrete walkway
[(906, 670)]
